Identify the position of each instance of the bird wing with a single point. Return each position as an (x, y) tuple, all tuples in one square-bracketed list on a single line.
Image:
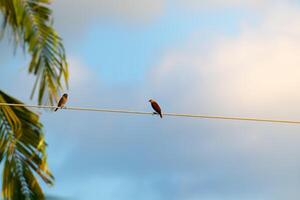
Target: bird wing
[(156, 107), (61, 102)]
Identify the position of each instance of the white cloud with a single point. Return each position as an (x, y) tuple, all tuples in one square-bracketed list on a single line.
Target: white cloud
[(76, 15), (198, 4), (80, 74), (258, 69)]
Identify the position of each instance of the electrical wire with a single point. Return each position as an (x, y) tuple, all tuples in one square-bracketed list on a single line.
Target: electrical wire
[(151, 113)]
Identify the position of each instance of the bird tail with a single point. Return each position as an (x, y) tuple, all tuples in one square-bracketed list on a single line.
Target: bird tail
[(160, 115), (56, 109)]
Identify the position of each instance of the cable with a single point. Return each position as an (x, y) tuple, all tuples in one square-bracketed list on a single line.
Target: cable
[(151, 113)]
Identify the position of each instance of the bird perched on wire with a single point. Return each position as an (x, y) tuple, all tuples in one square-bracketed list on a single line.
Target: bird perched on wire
[(156, 107), (62, 102)]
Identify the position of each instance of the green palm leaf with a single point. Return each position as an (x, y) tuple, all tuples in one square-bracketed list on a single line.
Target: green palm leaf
[(22, 144), (23, 148), (29, 21)]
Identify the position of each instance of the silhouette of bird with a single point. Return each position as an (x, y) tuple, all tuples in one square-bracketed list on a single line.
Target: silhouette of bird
[(62, 101), (156, 107)]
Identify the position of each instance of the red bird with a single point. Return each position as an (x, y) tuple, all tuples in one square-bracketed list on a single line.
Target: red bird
[(62, 102), (156, 107)]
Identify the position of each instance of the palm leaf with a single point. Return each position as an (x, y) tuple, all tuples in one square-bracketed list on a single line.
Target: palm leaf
[(29, 23), (23, 148)]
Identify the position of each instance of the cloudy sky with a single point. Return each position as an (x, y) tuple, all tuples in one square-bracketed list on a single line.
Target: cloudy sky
[(230, 57)]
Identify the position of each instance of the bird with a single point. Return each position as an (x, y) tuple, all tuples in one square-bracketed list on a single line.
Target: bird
[(156, 107), (62, 101)]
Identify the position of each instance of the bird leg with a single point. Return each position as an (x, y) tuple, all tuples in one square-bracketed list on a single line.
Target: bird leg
[(154, 113)]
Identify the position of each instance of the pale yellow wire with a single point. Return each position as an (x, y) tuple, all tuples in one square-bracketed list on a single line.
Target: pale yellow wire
[(151, 113)]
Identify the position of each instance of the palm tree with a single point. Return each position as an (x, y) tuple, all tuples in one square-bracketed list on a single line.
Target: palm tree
[(22, 143)]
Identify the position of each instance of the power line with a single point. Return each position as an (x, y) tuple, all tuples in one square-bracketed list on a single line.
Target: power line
[(164, 114)]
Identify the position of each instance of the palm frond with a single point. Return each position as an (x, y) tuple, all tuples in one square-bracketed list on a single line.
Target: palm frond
[(23, 148), (29, 22)]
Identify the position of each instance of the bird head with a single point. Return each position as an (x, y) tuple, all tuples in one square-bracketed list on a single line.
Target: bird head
[(65, 95), (151, 100)]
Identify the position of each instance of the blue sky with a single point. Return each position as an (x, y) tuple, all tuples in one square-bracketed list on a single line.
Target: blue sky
[(235, 58)]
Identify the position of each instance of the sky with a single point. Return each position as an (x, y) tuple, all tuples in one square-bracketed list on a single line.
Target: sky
[(232, 58)]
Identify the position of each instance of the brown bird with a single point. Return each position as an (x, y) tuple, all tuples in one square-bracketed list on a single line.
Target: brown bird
[(156, 107), (62, 102)]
